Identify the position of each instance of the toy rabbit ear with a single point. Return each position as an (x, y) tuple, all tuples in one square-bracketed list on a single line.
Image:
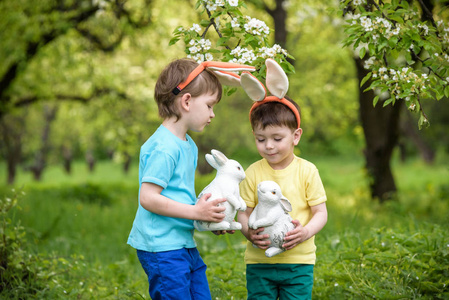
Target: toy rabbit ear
[(213, 66), (228, 78), (219, 157), (225, 71), (253, 87), (211, 161), (286, 205), (277, 80)]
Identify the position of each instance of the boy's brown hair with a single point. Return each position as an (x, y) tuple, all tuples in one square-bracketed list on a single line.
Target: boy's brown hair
[(274, 114), (175, 73)]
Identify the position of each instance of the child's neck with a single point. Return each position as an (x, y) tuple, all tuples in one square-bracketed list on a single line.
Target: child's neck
[(176, 127), (283, 164)]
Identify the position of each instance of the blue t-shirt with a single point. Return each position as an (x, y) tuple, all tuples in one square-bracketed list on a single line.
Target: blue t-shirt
[(169, 162)]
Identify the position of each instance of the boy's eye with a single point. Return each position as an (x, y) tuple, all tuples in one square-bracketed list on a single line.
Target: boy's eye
[(278, 139), (260, 140)]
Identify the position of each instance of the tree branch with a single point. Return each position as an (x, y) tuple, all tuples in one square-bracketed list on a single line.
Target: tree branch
[(98, 92)]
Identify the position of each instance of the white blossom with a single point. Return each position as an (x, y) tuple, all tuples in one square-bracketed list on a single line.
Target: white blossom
[(366, 23), (243, 55), (256, 27), (369, 62), (235, 23), (425, 28), (198, 57), (194, 49), (266, 52), (196, 27), (233, 2)]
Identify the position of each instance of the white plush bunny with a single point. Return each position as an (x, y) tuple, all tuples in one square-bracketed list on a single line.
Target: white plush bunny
[(272, 213), (225, 185)]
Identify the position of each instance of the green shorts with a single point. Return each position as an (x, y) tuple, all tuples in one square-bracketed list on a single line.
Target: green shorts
[(283, 281)]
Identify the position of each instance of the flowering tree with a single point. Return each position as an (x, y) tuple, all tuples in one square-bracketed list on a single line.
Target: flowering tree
[(241, 39), (406, 50), (401, 49)]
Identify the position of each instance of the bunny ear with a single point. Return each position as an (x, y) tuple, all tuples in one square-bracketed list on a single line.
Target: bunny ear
[(210, 159), (228, 78), (286, 205), (225, 71), (227, 66), (213, 66), (253, 87), (219, 157), (277, 80)]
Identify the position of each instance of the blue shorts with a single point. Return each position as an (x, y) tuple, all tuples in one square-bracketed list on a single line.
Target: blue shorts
[(176, 274), (279, 281)]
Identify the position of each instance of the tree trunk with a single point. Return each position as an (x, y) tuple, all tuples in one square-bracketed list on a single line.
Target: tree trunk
[(40, 161), (381, 130), (127, 162), (90, 159), (11, 129), (279, 15), (67, 156)]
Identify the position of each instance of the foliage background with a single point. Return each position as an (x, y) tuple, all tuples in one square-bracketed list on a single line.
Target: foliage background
[(66, 236)]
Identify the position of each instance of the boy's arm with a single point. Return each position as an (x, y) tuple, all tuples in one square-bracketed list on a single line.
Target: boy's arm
[(251, 234), (303, 233), (152, 200)]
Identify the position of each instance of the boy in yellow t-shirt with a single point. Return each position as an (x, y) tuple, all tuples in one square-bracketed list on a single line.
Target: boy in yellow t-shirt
[(289, 275)]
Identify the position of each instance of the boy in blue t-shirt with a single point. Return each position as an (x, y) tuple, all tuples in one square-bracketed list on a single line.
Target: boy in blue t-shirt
[(162, 231)]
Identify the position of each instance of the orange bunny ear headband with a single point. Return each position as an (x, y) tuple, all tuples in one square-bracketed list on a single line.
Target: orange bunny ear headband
[(277, 84), (223, 70)]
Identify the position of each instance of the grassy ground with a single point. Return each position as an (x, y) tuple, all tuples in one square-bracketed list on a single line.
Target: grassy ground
[(398, 250)]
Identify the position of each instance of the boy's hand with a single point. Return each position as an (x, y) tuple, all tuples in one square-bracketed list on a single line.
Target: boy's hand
[(298, 235), (260, 240), (209, 211)]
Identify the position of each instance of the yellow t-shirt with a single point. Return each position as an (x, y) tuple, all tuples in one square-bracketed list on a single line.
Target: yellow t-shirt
[(301, 185)]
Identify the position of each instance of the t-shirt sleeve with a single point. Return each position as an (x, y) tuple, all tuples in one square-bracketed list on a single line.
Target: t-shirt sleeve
[(315, 193), (159, 168)]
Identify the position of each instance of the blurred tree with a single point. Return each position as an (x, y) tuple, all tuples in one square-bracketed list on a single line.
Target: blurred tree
[(403, 57), (62, 38)]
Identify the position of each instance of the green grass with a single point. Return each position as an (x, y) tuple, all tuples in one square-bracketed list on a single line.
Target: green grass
[(80, 224)]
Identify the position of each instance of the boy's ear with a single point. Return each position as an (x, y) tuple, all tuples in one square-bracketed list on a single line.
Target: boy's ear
[(185, 101), (297, 136)]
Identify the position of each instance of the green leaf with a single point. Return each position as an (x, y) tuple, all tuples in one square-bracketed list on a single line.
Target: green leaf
[(173, 41), (362, 52), (205, 23), (446, 91), (375, 100), (388, 102), (222, 41), (365, 79)]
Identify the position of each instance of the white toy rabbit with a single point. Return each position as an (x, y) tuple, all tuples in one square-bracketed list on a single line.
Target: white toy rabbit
[(272, 213), (225, 185)]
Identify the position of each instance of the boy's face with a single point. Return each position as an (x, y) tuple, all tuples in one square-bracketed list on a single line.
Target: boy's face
[(201, 111), (276, 144)]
